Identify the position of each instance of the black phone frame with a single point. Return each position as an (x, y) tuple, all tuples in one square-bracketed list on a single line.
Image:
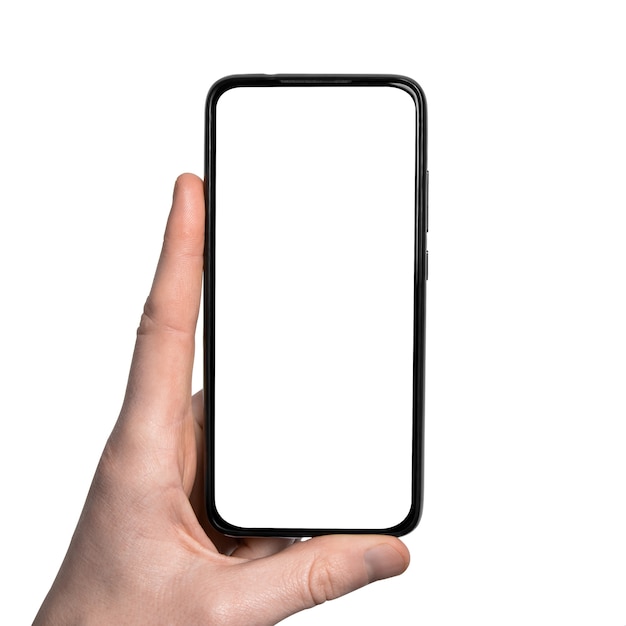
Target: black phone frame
[(419, 307)]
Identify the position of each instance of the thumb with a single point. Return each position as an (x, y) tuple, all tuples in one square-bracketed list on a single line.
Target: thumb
[(306, 574)]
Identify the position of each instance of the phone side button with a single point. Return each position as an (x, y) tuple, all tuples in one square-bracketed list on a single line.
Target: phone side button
[(427, 194), (426, 268)]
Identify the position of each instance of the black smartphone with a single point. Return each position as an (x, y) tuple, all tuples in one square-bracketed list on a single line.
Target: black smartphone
[(315, 294)]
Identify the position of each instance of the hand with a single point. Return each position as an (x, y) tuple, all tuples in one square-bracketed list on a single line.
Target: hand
[(143, 551)]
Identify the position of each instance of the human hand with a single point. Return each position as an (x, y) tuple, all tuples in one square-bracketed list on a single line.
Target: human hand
[(143, 550)]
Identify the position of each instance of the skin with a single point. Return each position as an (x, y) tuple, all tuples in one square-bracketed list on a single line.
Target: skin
[(143, 551)]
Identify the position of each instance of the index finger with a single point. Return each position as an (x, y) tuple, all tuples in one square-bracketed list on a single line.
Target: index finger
[(160, 376)]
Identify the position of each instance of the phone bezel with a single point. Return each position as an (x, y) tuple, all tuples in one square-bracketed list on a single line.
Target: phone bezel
[(419, 311)]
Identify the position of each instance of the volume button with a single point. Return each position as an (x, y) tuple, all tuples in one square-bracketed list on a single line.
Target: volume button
[(427, 203)]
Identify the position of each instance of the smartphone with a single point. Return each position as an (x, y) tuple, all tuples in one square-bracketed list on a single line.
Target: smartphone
[(314, 304)]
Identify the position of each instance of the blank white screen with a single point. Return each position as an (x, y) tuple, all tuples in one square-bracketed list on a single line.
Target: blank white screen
[(315, 202)]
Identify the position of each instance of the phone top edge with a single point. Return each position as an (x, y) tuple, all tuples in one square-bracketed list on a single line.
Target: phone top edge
[(316, 80)]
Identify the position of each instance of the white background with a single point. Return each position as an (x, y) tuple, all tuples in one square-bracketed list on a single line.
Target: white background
[(102, 106)]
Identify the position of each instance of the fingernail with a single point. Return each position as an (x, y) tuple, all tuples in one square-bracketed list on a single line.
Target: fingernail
[(383, 561)]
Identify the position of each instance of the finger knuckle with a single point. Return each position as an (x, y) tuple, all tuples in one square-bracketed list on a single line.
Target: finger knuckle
[(147, 323), (321, 581)]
